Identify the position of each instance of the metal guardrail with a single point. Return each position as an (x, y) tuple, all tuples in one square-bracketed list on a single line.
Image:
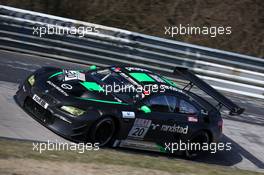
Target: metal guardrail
[(225, 71)]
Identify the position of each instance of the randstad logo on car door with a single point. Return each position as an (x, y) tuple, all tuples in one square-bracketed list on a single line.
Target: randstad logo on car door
[(168, 128)]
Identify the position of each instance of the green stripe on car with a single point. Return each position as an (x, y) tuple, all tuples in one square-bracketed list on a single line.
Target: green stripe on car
[(92, 86), (161, 148), (170, 82), (55, 74), (102, 101), (140, 77)]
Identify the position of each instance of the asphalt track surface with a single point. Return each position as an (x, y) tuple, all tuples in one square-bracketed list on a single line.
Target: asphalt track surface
[(245, 133)]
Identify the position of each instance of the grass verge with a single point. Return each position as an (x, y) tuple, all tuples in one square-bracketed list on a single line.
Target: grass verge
[(10, 149)]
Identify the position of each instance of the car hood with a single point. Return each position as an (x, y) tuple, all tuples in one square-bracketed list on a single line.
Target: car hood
[(75, 84), (67, 85)]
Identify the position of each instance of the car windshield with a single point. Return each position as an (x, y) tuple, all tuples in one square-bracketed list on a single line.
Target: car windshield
[(118, 85)]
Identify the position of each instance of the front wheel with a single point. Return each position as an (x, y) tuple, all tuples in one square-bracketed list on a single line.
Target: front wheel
[(103, 131)]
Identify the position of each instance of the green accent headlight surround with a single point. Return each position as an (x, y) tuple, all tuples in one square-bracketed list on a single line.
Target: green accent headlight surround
[(31, 80), (73, 110)]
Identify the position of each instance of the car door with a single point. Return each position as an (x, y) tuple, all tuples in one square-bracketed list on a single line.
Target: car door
[(188, 115), (158, 124), (172, 118)]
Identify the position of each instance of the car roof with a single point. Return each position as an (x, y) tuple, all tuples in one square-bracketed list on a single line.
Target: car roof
[(130, 70), (142, 75), (146, 77)]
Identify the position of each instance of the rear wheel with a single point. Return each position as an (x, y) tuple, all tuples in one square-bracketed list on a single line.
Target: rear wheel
[(200, 138), (103, 131)]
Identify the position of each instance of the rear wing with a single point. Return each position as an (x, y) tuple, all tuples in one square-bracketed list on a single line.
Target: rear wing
[(209, 90)]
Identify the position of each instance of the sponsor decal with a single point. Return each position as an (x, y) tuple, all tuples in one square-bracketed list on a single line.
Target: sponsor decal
[(175, 128), (192, 119), (140, 128), (70, 75), (128, 114), (154, 126), (57, 88), (168, 128), (81, 77), (73, 75), (66, 86)]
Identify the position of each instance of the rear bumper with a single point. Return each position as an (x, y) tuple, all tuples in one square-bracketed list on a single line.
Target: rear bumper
[(54, 119)]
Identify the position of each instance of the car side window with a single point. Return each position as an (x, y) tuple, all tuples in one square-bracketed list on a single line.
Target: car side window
[(163, 103), (172, 102), (186, 107)]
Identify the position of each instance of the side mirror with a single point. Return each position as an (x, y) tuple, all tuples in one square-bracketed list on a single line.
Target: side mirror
[(92, 67), (145, 109)]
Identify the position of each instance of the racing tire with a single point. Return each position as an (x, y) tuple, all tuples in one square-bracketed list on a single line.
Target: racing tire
[(201, 138), (103, 131)]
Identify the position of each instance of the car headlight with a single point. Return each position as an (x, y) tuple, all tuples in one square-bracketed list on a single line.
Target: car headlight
[(31, 80), (73, 110)]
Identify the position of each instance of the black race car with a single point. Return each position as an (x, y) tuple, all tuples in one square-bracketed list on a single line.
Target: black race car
[(123, 106)]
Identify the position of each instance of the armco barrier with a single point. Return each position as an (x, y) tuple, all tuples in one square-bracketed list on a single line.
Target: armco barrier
[(225, 71)]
